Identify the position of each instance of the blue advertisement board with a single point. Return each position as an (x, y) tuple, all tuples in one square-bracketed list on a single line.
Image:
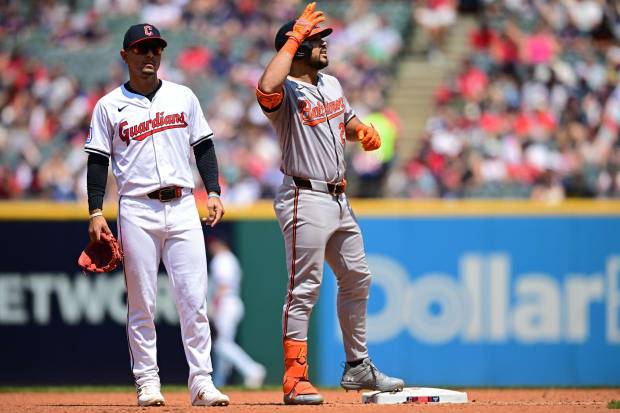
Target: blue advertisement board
[(493, 301), (58, 326)]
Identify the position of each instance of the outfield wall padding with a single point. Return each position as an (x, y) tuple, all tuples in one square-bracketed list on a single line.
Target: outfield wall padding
[(464, 293)]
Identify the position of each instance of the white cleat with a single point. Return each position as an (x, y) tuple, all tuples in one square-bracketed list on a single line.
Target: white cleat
[(210, 396), (150, 396)]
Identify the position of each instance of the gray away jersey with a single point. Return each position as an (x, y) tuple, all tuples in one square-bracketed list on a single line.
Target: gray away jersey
[(310, 124)]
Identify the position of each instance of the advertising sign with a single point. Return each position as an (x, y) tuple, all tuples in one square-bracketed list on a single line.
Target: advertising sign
[(500, 301), (59, 326)]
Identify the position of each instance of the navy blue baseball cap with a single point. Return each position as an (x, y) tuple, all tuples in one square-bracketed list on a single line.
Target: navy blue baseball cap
[(141, 32)]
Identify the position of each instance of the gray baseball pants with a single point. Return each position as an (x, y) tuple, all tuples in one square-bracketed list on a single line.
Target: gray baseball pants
[(319, 227)]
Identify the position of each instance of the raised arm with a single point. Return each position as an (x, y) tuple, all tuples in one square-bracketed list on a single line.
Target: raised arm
[(270, 83), (278, 68)]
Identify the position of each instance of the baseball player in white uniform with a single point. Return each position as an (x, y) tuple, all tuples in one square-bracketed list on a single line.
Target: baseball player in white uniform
[(225, 284), (146, 128), (313, 120)]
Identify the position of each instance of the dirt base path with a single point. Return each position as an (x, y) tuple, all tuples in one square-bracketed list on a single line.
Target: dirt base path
[(480, 400)]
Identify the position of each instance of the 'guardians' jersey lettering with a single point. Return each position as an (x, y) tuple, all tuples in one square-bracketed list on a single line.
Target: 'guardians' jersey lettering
[(145, 129)]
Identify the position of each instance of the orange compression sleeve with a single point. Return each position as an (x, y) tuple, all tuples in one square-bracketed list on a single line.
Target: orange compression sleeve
[(269, 100)]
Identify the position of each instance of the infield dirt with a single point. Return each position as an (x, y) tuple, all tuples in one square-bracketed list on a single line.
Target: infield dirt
[(480, 400)]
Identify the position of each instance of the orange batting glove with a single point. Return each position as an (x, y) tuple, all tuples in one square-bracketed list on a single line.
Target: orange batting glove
[(306, 22), (368, 136)]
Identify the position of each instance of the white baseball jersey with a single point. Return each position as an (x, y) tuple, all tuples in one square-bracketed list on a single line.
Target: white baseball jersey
[(149, 144), (312, 147), (148, 141)]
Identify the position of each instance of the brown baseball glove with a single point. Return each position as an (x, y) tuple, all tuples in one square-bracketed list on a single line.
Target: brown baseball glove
[(101, 256)]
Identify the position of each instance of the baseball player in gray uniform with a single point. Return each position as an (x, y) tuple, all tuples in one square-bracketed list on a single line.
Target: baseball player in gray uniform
[(145, 130), (313, 120)]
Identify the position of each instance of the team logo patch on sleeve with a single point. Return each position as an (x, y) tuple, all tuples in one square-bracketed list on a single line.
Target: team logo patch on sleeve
[(90, 135), (150, 127)]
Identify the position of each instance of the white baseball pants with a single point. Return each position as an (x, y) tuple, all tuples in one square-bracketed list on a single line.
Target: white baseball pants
[(150, 231)]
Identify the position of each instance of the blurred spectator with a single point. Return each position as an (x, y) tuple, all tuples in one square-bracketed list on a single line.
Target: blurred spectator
[(585, 14), (123, 7), (372, 167), (435, 17), (163, 13), (46, 102), (194, 59), (533, 110)]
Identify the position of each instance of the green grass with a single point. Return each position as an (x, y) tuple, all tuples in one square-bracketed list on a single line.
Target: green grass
[(614, 404)]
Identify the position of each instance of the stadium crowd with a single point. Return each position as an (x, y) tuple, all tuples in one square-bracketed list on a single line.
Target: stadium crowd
[(45, 109), (533, 111)]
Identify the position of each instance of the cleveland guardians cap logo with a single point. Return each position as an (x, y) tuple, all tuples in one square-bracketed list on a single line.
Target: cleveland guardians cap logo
[(140, 32)]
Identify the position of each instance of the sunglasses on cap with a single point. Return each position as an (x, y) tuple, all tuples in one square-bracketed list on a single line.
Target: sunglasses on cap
[(143, 48)]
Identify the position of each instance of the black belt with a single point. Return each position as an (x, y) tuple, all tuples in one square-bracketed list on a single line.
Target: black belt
[(332, 188), (167, 194)]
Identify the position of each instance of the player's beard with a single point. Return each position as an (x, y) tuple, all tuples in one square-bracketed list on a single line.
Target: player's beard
[(317, 63)]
